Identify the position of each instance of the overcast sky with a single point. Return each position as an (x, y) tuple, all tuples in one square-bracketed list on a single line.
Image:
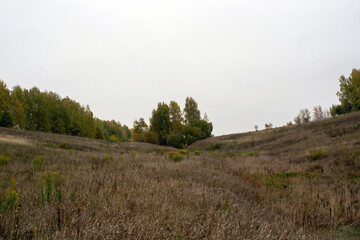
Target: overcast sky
[(245, 62)]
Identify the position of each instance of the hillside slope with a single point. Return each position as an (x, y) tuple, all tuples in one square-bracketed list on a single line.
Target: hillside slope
[(298, 182), (328, 134)]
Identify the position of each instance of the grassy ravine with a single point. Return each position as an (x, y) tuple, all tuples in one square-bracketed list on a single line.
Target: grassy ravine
[(284, 183)]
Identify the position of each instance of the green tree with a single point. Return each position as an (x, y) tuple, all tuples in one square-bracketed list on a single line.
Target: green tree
[(336, 110), (140, 128), (205, 127), (17, 106), (349, 93), (191, 111), (175, 139), (192, 134), (4, 97), (160, 122), (71, 115), (176, 117), (88, 128), (6, 119)]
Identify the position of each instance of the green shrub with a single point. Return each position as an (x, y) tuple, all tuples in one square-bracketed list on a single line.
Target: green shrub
[(106, 158), (317, 154), (132, 154), (12, 202), (4, 159), (176, 156), (197, 152), (184, 152), (38, 162), (175, 140)]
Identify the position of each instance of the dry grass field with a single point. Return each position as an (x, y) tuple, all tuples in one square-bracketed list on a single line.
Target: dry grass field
[(297, 182)]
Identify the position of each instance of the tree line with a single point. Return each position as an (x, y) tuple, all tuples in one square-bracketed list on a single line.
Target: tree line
[(170, 126), (349, 98), (48, 112)]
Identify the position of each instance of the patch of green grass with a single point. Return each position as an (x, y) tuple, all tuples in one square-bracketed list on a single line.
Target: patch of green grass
[(349, 233), (132, 154), (225, 208), (13, 201), (177, 236), (241, 154), (4, 159), (38, 162), (282, 180), (252, 154), (216, 154), (93, 208), (317, 154)]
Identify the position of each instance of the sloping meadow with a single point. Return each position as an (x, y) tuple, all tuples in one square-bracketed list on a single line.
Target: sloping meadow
[(273, 184)]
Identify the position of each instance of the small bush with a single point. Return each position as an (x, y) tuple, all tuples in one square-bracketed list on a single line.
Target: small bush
[(106, 157), (12, 202), (184, 152), (38, 162), (4, 159), (197, 152), (176, 156), (317, 154), (225, 208)]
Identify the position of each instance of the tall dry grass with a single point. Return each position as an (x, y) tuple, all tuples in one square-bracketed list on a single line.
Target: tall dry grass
[(251, 190)]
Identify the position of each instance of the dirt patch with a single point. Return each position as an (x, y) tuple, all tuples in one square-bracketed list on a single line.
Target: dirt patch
[(14, 140)]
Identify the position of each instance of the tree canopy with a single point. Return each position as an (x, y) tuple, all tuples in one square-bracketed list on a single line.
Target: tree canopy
[(48, 112), (349, 93), (169, 127)]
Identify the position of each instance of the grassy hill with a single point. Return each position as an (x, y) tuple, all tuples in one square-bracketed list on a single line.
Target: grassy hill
[(297, 182)]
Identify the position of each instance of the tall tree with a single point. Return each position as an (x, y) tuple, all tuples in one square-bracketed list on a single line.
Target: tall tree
[(5, 117), (191, 111), (4, 97), (160, 122), (88, 123), (176, 117), (349, 93), (140, 129), (17, 106)]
